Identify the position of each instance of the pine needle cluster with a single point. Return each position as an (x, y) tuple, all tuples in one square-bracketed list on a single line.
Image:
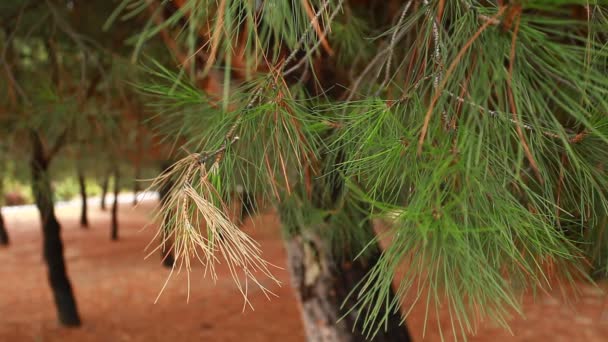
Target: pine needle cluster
[(480, 128), (195, 222)]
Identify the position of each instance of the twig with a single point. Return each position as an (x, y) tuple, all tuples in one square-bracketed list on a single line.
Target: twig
[(392, 44), (217, 31), (436, 48), (9, 74), (469, 6), (76, 38), (367, 69), (310, 28), (450, 70), (314, 47), (205, 157), (229, 136), (437, 56), (573, 138), (315, 22), (157, 16)]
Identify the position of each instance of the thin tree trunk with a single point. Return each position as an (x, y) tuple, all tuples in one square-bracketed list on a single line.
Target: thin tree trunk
[(138, 144), (114, 235), (248, 206), (166, 248), (104, 190), (323, 282), (4, 240), (84, 220), (51, 232), (136, 182)]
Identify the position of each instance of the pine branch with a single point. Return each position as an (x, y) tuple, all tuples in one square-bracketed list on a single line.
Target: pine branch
[(450, 70)]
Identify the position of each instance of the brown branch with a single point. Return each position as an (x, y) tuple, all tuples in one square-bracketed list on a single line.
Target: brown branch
[(315, 22), (59, 143), (215, 39), (293, 54), (8, 49), (230, 136), (170, 43), (579, 137)]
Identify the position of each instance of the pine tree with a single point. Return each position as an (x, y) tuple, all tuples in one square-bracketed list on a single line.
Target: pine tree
[(56, 78), (115, 205), (104, 190), (4, 237), (82, 185), (478, 129)]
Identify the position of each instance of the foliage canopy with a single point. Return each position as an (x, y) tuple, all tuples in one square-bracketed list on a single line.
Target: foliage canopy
[(479, 129)]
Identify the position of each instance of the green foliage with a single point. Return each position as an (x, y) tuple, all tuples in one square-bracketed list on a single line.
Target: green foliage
[(66, 189), (481, 136), (278, 21)]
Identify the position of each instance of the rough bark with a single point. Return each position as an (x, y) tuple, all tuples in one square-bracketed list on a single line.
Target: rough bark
[(325, 272), (51, 232), (4, 240), (104, 190), (114, 231), (84, 219), (166, 252), (322, 283)]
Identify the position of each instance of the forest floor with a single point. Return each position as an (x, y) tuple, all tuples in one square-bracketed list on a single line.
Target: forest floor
[(116, 288)]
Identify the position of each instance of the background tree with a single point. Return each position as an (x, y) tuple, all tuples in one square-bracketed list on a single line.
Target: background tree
[(55, 71), (4, 237), (105, 183), (84, 218), (116, 182)]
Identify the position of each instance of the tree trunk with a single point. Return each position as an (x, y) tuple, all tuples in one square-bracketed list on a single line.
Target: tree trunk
[(84, 220), (4, 240), (104, 190), (323, 276), (166, 249), (51, 232), (136, 182), (248, 206), (114, 234)]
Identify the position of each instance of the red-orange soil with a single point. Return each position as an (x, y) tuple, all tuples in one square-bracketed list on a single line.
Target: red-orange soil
[(116, 288)]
